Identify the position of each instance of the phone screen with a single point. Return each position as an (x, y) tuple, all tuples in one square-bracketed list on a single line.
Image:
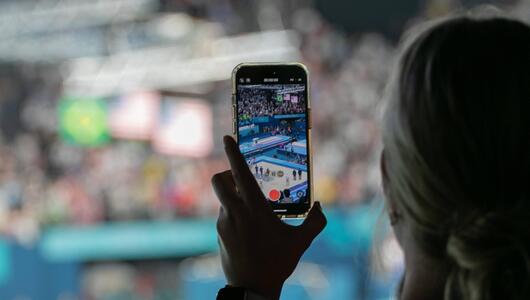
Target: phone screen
[(273, 133)]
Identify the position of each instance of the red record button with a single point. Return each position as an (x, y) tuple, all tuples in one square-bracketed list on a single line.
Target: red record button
[(274, 195)]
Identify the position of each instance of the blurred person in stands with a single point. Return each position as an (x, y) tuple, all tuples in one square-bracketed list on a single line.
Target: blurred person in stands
[(455, 168)]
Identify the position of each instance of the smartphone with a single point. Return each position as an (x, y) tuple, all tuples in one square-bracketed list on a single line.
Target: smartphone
[(272, 125)]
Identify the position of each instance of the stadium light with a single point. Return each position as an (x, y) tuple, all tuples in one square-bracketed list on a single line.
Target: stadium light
[(114, 74)]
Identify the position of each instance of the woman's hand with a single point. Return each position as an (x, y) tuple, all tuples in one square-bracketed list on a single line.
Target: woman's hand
[(258, 250)]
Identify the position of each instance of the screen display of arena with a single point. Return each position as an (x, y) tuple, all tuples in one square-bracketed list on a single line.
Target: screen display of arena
[(272, 135)]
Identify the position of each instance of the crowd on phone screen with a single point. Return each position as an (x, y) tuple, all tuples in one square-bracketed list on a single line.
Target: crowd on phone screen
[(292, 128), (260, 102)]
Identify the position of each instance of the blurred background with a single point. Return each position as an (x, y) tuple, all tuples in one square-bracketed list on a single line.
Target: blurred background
[(111, 118)]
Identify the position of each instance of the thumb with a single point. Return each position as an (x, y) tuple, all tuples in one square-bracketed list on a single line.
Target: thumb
[(314, 223)]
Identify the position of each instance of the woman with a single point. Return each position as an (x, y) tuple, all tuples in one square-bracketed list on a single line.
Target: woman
[(455, 166)]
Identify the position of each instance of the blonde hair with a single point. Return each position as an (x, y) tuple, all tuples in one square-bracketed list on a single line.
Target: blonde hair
[(457, 151)]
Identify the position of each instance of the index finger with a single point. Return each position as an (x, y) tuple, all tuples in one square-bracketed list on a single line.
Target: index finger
[(245, 181)]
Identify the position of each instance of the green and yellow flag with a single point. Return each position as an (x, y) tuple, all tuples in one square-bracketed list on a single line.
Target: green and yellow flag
[(83, 121)]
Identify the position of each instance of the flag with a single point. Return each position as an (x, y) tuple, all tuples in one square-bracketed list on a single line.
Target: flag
[(184, 128), (286, 97), (83, 121), (294, 99), (133, 116), (279, 98)]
